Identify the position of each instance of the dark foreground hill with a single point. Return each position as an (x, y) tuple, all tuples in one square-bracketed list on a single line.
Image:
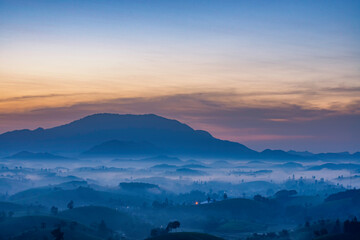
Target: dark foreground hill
[(114, 220), (40, 227), (185, 236)]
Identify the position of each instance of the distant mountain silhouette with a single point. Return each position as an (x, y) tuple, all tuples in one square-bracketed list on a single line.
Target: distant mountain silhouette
[(81, 135), (116, 134), (188, 172), (327, 156), (340, 166), (163, 159), (163, 166), (194, 166), (289, 165), (25, 155), (304, 153), (280, 155)]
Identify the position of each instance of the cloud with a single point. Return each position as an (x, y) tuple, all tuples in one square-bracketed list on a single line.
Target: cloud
[(29, 97)]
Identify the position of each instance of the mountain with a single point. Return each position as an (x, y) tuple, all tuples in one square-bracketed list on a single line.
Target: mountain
[(25, 155), (280, 155), (327, 156), (289, 165), (304, 153), (149, 134), (162, 159), (118, 148), (163, 166), (333, 166), (81, 135), (353, 194)]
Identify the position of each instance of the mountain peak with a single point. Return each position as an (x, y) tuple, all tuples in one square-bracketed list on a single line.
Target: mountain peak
[(147, 133), (117, 121)]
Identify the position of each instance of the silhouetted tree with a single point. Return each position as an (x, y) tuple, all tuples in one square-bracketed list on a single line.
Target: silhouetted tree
[(352, 227), (172, 225), (58, 234), (43, 225), (54, 210), (103, 228), (10, 214), (285, 193), (70, 205), (225, 196), (260, 198), (337, 227), (160, 231)]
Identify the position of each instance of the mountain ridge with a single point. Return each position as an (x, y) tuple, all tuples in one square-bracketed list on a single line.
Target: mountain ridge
[(168, 136), (80, 135)]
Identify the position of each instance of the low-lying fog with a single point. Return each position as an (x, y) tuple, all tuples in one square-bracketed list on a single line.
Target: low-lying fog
[(165, 171), (226, 198)]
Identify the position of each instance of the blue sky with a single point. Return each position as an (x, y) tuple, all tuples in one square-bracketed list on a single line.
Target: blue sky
[(293, 63)]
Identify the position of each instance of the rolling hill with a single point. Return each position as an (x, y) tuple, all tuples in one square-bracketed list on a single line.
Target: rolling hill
[(26, 155)]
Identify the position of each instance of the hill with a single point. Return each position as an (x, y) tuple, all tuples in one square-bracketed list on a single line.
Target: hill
[(114, 219), (31, 227), (333, 166), (25, 155), (185, 236)]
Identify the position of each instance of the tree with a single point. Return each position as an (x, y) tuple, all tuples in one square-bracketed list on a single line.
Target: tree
[(10, 214), (172, 225), (103, 228), (225, 196), (260, 198), (58, 234), (285, 193), (337, 227), (70, 205), (352, 227), (54, 210), (160, 231)]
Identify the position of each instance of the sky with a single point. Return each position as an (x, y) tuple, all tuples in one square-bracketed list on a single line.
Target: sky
[(268, 74)]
